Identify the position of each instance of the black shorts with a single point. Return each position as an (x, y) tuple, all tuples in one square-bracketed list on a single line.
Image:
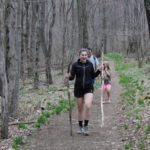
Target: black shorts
[(79, 92)]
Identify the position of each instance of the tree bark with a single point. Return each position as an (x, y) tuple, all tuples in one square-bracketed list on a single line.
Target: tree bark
[(27, 33), (104, 27), (36, 62), (64, 28), (147, 8), (82, 23), (13, 50), (22, 69), (47, 50), (4, 94), (3, 86)]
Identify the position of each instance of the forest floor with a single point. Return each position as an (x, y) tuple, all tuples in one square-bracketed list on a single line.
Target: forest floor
[(126, 124), (56, 136)]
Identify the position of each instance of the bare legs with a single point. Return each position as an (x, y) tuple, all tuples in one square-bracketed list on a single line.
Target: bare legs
[(88, 98), (107, 89), (80, 103), (84, 101)]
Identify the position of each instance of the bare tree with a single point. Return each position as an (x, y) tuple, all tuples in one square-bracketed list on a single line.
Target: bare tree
[(73, 25), (147, 8), (22, 69), (32, 37), (65, 10), (27, 5), (3, 86), (64, 28), (13, 50), (3, 93), (37, 48), (104, 39), (47, 49), (82, 23)]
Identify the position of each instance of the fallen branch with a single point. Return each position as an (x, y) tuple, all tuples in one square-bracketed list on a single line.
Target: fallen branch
[(17, 123)]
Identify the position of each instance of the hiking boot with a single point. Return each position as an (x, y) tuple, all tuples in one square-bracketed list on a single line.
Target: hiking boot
[(80, 130), (86, 130)]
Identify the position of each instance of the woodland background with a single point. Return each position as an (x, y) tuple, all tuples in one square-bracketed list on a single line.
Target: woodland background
[(37, 35)]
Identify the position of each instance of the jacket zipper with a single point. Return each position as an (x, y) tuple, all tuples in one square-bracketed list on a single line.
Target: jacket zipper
[(83, 74)]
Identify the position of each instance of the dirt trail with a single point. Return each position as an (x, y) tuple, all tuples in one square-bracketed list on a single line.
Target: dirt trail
[(56, 135)]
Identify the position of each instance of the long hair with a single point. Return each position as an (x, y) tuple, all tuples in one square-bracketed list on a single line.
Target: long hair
[(106, 65)]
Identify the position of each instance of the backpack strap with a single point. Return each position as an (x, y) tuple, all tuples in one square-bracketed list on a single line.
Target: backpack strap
[(94, 62)]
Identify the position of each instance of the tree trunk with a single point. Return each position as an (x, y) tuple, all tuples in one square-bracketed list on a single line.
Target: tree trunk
[(4, 93), (27, 33), (147, 8), (22, 69), (48, 71), (13, 50), (82, 23), (64, 28), (104, 27), (73, 30), (47, 50), (3, 87), (36, 62), (36, 72), (95, 46), (32, 47)]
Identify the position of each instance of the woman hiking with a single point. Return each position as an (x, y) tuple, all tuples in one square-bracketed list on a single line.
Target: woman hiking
[(83, 72)]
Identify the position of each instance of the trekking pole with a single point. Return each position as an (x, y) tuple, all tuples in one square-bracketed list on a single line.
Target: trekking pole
[(69, 99), (102, 84)]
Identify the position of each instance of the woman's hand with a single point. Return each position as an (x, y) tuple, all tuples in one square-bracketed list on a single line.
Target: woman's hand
[(99, 68), (106, 69), (67, 75)]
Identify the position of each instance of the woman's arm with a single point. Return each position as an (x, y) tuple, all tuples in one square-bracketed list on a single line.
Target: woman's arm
[(72, 73), (95, 74)]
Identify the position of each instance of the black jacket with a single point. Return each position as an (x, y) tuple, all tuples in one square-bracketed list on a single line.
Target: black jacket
[(83, 74)]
